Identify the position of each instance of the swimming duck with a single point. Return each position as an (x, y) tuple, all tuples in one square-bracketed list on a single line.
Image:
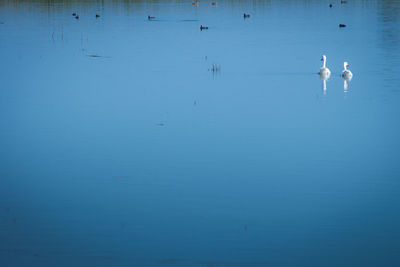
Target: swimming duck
[(203, 28), (246, 15), (150, 17), (97, 16), (324, 72)]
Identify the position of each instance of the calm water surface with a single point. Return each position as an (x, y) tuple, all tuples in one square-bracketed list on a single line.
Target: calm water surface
[(121, 147)]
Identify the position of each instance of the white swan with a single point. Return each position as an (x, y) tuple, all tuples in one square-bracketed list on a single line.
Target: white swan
[(324, 72), (346, 74)]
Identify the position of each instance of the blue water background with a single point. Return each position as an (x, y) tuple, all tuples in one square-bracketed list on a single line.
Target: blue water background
[(121, 147)]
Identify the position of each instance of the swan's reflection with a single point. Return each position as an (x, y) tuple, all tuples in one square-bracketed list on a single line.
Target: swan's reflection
[(345, 85), (324, 79), (346, 82)]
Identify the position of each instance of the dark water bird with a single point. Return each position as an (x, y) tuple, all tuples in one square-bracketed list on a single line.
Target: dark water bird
[(97, 16), (150, 17), (74, 14), (214, 67), (77, 16), (203, 28), (342, 25), (246, 15), (330, 5)]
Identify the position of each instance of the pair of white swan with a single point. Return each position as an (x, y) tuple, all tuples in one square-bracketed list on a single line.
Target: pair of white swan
[(325, 73)]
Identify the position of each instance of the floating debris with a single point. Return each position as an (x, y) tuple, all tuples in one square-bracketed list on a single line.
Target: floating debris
[(195, 3), (160, 124), (213, 3), (203, 28), (246, 16), (96, 56), (342, 25), (245, 227), (343, 2)]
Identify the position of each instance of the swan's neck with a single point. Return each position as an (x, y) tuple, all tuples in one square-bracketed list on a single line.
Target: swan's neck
[(345, 67), (324, 66)]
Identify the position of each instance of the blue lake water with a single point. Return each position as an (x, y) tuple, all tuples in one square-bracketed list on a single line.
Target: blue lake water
[(120, 146)]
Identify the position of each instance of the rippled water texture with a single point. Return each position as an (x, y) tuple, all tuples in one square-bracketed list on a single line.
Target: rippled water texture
[(134, 142)]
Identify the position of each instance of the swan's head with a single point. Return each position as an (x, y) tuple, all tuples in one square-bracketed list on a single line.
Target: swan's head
[(323, 58), (346, 65)]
